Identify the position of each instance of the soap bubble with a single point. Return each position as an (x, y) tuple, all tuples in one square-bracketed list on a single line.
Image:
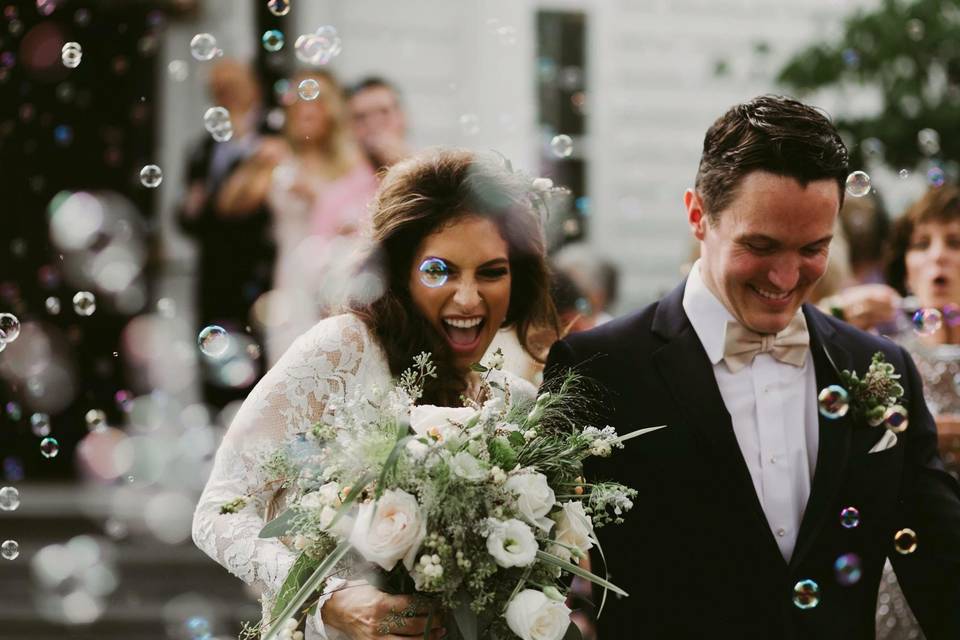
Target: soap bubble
[(49, 447), (71, 54), (10, 326), (834, 402), (10, 550), (904, 174), (936, 177), (279, 8), (309, 89), (905, 541), (217, 121), (178, 70), (470, 124), (806, 594), (562, 145), (9, 499), (96, 419), (203, 47), (929, 142), (434, 273), (858, 184), (84, 303), (52, 305), (895, 419), (850, 518), (151, 176), (213, 341), (40, 424), (272, 40), (847, 569), (927, 321)]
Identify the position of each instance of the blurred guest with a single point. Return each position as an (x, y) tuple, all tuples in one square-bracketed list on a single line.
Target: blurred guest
[(235, 252), (596, 277), (379, 122), (316, 185), (924, 261), (866, 227)]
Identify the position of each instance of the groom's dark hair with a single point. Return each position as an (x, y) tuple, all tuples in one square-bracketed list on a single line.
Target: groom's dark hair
[(770, 133)]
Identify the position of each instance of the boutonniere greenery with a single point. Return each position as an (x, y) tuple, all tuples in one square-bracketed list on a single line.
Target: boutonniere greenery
[(876, 396)]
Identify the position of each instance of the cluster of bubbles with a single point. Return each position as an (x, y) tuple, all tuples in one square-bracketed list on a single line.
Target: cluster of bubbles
[(272, 40), (203, 47), (562, 145), (9, 499), (151, 176), (73, 580), (71, 54), (858, 184), (320, 47), (308, 89), (216, 120), (470, 124), (9, 329)]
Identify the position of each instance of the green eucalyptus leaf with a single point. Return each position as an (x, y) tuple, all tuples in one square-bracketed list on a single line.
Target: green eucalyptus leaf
[(279, 526)]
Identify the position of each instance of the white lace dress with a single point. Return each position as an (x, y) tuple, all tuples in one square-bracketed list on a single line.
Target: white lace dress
[(326, 364)]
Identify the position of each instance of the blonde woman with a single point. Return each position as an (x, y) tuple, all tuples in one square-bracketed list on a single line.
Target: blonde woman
[(316, 185)]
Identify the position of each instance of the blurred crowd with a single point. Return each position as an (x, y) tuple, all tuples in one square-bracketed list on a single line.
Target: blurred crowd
[(278, 210)]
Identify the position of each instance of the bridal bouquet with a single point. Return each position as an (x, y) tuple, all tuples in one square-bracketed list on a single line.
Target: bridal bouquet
[(480, 510)]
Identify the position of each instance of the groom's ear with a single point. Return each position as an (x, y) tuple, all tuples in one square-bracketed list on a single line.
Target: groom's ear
[(696, 217)]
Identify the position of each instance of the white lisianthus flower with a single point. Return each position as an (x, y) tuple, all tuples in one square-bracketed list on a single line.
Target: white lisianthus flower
[(533, 616), (535, 498), (439, 422), (467, 467), (574, 527), (389, 530), (511, 543)]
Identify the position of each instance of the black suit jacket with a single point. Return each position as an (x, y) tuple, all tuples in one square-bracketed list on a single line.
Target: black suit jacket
[(696, 553)]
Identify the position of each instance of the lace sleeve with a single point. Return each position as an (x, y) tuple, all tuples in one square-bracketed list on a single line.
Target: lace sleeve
[(322, 366)]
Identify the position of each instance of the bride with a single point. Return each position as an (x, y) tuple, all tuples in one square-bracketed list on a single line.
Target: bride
[(459, 249)]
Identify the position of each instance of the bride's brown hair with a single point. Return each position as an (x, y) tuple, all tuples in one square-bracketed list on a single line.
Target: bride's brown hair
[(420, 196)]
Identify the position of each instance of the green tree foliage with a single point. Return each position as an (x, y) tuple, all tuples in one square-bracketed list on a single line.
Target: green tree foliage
[(910, 50)]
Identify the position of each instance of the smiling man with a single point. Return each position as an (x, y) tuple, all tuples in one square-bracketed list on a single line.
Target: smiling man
[(736, 530)]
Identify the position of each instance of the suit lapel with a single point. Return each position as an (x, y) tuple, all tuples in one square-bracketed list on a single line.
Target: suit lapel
[(688, 374), (829, 358)]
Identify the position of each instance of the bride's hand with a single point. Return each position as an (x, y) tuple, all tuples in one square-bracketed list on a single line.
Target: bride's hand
[(364, 612)]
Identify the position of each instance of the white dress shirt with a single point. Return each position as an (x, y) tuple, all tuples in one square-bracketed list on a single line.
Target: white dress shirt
[(773, 407)]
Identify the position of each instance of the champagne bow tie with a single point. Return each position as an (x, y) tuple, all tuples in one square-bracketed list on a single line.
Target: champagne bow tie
[(741, 345)]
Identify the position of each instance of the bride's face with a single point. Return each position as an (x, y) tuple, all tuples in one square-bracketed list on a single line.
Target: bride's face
[(460, 282)]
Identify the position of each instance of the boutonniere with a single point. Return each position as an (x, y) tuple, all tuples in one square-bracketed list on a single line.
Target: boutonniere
[(875, 397)]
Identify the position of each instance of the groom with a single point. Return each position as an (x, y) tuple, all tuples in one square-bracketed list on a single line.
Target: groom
[(737, 529)]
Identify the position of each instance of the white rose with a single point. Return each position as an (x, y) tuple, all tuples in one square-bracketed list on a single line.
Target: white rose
[(439, 422), (389, 530), (535, 498), (467, 467), (574, 527), (330, 493), (511, 543), (533, 616)]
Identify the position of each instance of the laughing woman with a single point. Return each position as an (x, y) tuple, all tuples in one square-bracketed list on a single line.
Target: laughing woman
[(460, 252)]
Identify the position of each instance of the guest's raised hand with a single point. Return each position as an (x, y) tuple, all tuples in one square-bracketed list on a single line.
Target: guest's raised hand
[(865, 306)]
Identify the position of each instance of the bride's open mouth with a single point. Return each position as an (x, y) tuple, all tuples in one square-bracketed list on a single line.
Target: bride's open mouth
[(463, 334)]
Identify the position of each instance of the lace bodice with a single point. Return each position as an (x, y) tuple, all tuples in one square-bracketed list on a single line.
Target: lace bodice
[(324, 366)]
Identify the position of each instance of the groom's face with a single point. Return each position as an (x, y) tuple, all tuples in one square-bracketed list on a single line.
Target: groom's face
[(763, 254)]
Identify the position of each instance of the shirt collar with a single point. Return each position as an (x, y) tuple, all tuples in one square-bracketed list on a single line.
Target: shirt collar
[(706, 313)]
